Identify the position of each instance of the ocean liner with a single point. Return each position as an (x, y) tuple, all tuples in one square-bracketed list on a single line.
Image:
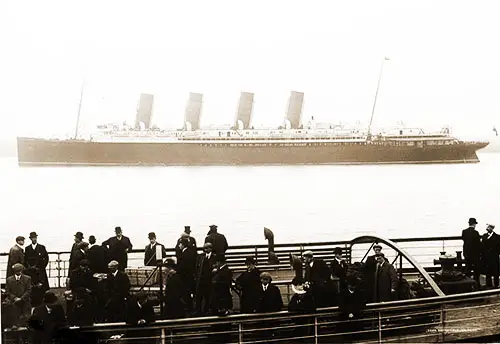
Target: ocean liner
[(242, 144)]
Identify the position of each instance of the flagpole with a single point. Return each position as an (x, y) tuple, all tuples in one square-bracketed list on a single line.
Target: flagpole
[(79, 110), (369, 135)]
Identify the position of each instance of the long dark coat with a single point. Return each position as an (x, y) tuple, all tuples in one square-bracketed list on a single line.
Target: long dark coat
[(118, 292), (16, 255), (472, 245), (218, 241), (191, 245), (269, 300), (38, 259), (321, 284), (203, 272), (490, 254), (221, 298), (97, 259), (117, 250), (385, 279), (249, 284), (175, 306)]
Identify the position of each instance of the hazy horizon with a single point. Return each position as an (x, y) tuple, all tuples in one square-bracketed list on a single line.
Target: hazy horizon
[(443, 67)]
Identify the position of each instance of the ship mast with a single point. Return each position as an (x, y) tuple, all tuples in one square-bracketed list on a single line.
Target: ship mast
[(79, 110), (369, 134)]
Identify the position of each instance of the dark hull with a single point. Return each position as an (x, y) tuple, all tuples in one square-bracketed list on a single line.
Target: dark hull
[(75, 152)]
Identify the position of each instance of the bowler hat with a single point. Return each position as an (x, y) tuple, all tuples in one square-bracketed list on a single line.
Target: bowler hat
[(152, 235), (33, 235), (250, 260), (337, 250), (472, 221), (213, 226), (79, 235), (187, 229)]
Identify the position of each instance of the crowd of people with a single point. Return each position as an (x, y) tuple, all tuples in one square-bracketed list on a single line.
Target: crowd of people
[(200, 284)]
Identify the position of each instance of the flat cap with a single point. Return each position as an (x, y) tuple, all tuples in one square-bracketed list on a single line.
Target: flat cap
[(307, 253), (17, 267), (19, 238), (113, 263), (267, 275)]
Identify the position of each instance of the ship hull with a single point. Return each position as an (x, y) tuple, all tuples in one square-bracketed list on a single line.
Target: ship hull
[(76, 152)]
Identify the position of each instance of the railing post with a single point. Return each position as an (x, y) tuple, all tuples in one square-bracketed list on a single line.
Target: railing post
[(58, 269), (240, 333), (162, 336), (379, 327), (315, 329)]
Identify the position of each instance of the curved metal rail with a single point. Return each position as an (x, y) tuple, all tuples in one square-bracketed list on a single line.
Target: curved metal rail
[(370, 239)]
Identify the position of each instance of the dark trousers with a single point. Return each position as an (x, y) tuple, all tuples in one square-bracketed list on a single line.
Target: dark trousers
[(202, 299), (472, 268)]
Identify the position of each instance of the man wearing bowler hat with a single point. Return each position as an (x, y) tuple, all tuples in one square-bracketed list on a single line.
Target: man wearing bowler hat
[(490, 243), (118, 248), (75, 249), (150, 251), (191, 241), (37, 259), (472, 249)]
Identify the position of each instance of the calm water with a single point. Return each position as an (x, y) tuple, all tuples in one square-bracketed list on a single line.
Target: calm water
[(300, 203)]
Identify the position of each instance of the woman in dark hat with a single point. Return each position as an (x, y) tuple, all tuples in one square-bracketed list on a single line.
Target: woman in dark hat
[(248, 283)]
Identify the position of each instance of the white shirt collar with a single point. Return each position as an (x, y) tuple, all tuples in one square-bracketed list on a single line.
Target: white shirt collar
[(114, 273), (22, 248), (34, 245), (82, 251), (18, 277), (208, 255), (490, 234), (265, 286)]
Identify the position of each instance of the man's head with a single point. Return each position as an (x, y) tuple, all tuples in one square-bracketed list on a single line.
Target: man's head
[(380, 257), (50, 299), (78, 237), (207, 248), (152, 238), (18, 268), (490, 228), (377, 248), (33, 238), (213, 228), (472, 222), (92, 240), (250, 262), (183, 243), (118, 231), (113, 266), (337, 252), (265, 278), (187, 229), (20, 240), (308, 256)]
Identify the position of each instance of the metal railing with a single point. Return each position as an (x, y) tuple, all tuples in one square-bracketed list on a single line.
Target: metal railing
[(432, 319), (424, 250)]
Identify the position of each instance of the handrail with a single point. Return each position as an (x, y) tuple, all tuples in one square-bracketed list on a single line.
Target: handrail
[(287, 245)]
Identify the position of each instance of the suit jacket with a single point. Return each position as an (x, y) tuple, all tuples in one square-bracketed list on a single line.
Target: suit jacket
[(319, 273), (385, 280), (472, 244), (150, 254), (46, 325), (21, 288), (80, 280), (203, 271), (186, 261), (221, 297), (339, 270), (78, 256), (490, 253), (175, 307), (136, 312), (117, 250), (218, 241), (269, 300), (16, 255), (119, 286), (38, 259), (249, 284), (97, 259)]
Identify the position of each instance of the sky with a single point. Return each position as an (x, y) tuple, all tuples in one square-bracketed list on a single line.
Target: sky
[(443, 66)]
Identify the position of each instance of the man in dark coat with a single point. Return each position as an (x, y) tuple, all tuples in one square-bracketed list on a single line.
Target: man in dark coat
[(472, 249), (48, 319), (16, 255), (96, 254), (37, 259), (351, 304), (140, 313), (118, 288), (218, 241), (186, 260), (83, 287), (18, 293), (117, 248), (78, 239), (249, 283), (318, 275), (78, 255), (339, 268), (203, 279), (386, 280), (490, 255), (369, 271), (150, 251), (221, 301), (270, 296), (191, 241), (175, 307)]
